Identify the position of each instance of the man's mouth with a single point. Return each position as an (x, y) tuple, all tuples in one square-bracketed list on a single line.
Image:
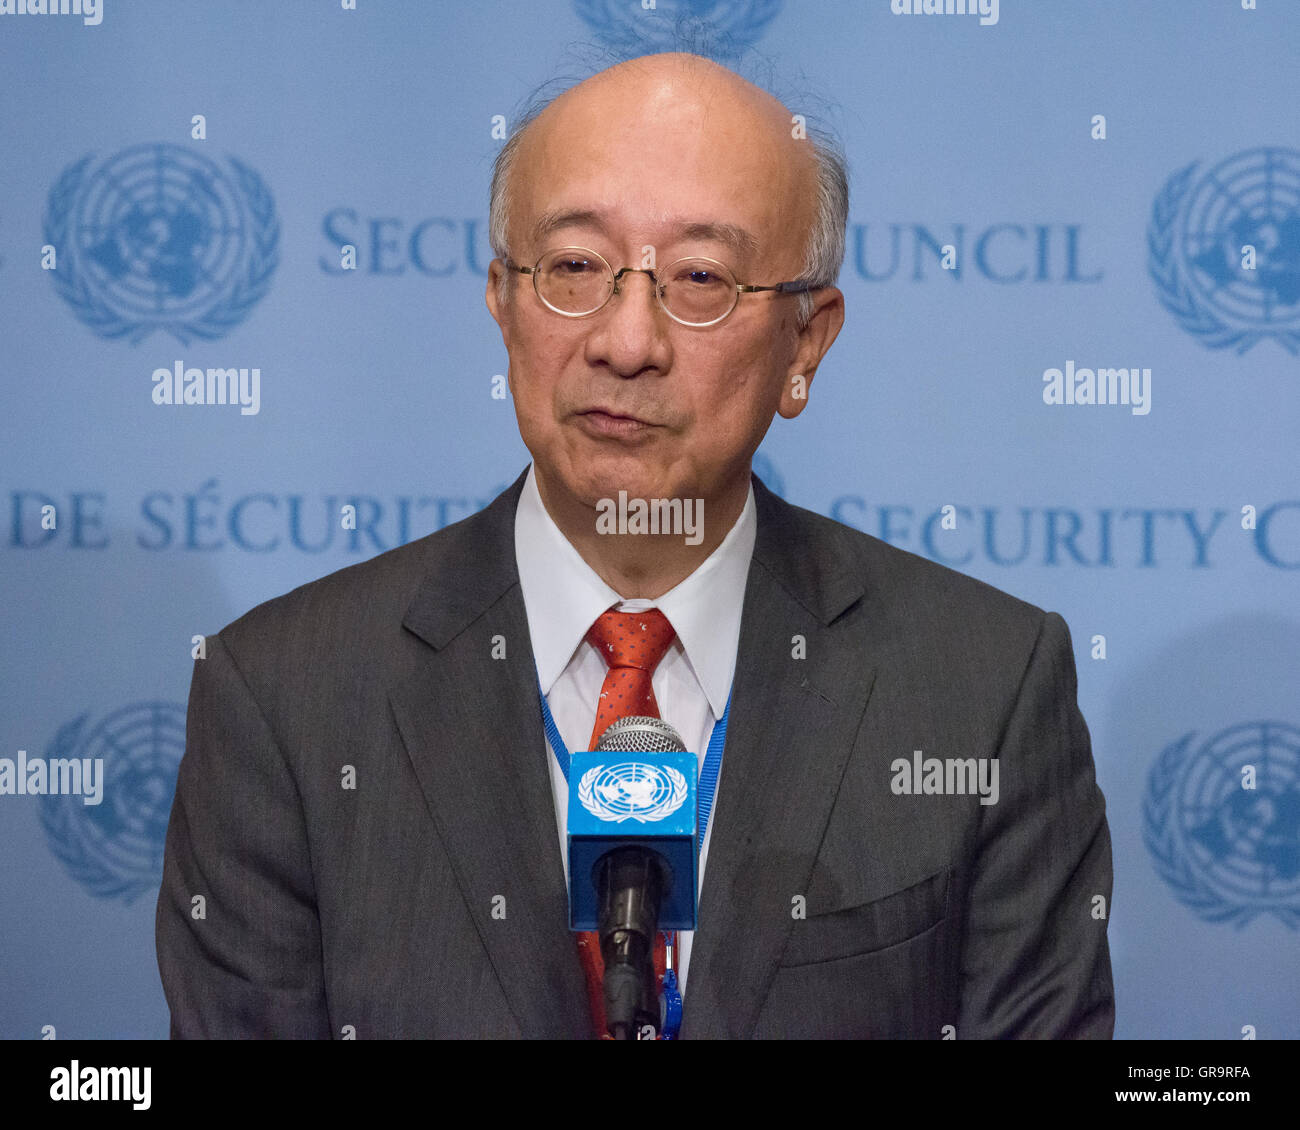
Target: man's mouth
[(605, 422)]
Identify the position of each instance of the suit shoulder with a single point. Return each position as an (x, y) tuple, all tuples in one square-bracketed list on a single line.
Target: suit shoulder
[(929, 623), (343, 597), (352, 604), (363, 605), (917, 589)]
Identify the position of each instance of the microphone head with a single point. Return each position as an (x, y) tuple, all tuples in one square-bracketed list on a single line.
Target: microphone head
[(639, 733), (636, 789)]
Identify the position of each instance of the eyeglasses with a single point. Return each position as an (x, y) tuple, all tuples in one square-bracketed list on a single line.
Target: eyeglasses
[(576, 282)]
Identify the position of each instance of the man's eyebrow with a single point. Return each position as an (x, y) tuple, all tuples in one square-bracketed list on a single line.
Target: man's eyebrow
[(739, 239), (733, 235)]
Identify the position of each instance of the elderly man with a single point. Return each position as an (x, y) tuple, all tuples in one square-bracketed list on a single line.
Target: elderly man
[(907, 839)]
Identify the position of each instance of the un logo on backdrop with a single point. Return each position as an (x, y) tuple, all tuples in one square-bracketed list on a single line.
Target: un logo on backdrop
[(1230, 853), (1199, 228), (731, 26), (115, 848), (161, 238)]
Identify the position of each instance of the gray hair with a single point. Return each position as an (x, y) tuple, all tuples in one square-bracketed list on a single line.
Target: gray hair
[(823, 251)]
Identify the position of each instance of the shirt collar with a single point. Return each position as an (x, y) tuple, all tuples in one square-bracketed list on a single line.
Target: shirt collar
[(563, 596)]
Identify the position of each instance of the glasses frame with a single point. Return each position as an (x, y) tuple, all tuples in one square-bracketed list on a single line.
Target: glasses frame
[(795, 286)]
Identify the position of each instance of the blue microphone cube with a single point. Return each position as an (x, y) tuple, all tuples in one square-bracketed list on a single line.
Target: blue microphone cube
[(621, 799)]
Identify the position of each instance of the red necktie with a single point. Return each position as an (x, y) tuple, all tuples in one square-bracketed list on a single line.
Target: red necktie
[(632, 643)]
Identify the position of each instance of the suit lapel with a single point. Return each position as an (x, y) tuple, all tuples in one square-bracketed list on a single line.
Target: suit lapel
[(471, 725), (791, 732)]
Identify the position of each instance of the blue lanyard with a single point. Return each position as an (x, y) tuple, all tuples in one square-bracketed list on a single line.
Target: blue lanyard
[(708, 785)]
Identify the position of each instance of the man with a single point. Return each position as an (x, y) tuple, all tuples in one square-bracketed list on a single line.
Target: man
[(369, 821)]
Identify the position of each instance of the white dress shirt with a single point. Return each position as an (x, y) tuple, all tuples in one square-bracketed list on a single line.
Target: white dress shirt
[(563, 597)]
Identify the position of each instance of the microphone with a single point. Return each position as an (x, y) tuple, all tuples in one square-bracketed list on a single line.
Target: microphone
[(632, 858)]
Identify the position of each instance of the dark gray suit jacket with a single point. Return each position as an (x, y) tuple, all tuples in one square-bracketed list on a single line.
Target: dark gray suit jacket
[(325, 907)]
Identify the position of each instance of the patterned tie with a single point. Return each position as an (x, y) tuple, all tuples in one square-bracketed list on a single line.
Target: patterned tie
[(632, 644)]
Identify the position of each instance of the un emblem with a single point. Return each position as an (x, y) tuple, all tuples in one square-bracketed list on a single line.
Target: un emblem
[(728, 26), (632, 790), (1230, 853), (1196, 241), (160, 238), (115, 849)]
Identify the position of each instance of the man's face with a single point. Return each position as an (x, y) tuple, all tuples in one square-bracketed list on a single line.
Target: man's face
[(627, 398)]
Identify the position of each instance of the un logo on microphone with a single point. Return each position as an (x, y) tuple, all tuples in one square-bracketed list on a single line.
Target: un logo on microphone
[(161, 238), (1224, 250), (1229, 851), (115, 849), (632, 790)]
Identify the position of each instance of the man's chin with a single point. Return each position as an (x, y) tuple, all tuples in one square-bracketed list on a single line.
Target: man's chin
[(593, 485), (591, 471)]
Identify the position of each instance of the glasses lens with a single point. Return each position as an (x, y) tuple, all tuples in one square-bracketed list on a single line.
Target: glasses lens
[(698, 291), (574, 281)]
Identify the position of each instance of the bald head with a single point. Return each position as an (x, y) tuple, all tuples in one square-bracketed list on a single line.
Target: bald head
[(674, 148), (672, 116), (669, 82)]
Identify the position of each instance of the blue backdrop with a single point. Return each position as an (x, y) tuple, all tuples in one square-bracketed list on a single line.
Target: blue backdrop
[(136, 236)]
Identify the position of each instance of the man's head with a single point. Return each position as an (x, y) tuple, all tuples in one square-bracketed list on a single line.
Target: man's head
[(654, 159)]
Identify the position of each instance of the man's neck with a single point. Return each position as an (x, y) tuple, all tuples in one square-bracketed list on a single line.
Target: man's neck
[(640, 565)]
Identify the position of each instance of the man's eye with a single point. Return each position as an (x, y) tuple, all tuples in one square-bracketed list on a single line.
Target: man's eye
[(700, 277), (573, 266)]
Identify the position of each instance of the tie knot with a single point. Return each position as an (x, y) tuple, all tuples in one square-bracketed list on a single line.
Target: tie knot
[(632, 639)]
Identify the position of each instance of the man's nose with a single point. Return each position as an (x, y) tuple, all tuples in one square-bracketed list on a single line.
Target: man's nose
[(631, 333)]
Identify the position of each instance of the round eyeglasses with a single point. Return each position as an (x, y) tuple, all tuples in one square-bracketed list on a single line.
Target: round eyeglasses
[(696, 291)]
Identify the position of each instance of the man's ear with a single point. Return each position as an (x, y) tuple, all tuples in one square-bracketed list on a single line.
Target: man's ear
[(496, 272), (498, 304), (813, 342)]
